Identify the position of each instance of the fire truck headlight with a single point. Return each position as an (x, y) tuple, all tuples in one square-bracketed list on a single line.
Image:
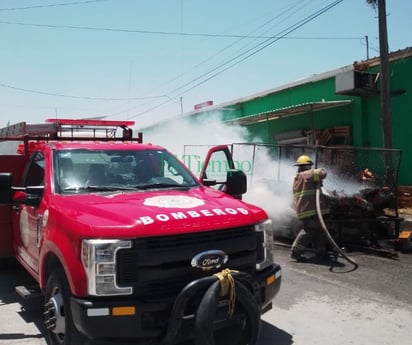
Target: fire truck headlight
[(264, 239), (99, 261)]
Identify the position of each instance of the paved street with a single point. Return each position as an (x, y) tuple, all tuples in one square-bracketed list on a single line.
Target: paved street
[(19, 323), (318, 304)]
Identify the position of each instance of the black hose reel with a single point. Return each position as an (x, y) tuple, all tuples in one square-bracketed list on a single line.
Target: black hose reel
[(243, 294)]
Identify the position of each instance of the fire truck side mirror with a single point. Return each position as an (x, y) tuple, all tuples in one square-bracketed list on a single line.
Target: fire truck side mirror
[(30, 196), (18, 195), (236, 183), (6, 180)]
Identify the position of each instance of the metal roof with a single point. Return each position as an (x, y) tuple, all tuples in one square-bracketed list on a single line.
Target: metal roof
[(292, 110)]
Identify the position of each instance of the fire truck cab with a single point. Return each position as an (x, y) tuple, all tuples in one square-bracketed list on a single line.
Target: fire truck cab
[(126, 244)]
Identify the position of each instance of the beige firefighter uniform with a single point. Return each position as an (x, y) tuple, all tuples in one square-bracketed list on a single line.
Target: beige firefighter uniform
[(305, 185)]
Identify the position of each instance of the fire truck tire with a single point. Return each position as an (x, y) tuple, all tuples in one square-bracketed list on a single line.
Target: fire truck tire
[(247, 333), (188, 292), (60, 329)]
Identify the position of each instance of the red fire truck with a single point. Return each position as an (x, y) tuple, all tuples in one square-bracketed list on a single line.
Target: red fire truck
[(126, 244)]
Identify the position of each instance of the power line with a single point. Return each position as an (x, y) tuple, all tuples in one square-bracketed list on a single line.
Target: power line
[(219, 69), (82, 97), (243, 56), (208, 74), (171, 33), (278, 15), (52, 5), (272, 38), (232, 44)]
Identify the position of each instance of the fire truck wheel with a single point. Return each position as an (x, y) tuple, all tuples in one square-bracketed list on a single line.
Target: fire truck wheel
[(245, 325), (58, 318)]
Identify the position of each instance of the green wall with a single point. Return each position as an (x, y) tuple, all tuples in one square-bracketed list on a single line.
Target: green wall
[(311, 92), (401, 107), (363, 115)]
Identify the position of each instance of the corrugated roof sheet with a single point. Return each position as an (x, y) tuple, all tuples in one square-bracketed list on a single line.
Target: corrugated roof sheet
[(289, 111)]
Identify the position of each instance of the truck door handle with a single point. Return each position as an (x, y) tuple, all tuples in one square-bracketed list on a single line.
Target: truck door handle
[(16, 208)]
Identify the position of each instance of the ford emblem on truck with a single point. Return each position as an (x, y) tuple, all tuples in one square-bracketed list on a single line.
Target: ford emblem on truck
[(209, 260)]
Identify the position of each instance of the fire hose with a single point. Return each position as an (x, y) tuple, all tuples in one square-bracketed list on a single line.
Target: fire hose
[(326, 231), (212, 287)]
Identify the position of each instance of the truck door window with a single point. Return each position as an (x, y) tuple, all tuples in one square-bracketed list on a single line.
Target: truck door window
[(34, 175), (217, 168)]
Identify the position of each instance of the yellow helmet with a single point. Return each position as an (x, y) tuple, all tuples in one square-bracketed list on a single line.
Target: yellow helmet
[(303, 160)]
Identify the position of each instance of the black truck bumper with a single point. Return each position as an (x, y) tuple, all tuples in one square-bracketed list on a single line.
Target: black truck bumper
[(130, 319)]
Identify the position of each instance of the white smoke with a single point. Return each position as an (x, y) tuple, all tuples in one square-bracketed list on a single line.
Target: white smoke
[(269, 185), (184, 131)]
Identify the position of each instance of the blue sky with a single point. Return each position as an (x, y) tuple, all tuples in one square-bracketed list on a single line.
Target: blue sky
[(146, 60)]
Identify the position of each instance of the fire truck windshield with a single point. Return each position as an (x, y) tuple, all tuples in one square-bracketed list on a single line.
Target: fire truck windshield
[(87, 170)]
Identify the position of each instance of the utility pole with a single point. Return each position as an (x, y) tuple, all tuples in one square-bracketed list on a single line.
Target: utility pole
[(386, 116)]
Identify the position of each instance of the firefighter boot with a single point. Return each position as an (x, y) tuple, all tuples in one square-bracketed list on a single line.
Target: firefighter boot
[(295, 255)]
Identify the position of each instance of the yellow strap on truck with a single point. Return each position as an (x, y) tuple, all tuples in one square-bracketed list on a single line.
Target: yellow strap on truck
[(227, 287)]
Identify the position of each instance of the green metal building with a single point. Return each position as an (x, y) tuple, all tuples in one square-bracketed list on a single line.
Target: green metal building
[(339, 107)]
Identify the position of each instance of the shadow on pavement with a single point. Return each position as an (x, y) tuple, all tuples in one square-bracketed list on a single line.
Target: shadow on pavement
[(335, 264), (270, 335), (31, 310)]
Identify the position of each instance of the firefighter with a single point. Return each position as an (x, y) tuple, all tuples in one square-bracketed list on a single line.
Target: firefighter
[(306, 181)]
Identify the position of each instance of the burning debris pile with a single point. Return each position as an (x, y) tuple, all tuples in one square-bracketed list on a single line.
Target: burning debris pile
[(369, 202), (362, 218)]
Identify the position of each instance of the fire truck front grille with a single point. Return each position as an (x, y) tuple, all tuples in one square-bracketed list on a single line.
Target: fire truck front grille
[(159, 267)]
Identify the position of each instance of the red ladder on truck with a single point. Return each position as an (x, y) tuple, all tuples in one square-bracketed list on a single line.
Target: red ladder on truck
[(67, 129)]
